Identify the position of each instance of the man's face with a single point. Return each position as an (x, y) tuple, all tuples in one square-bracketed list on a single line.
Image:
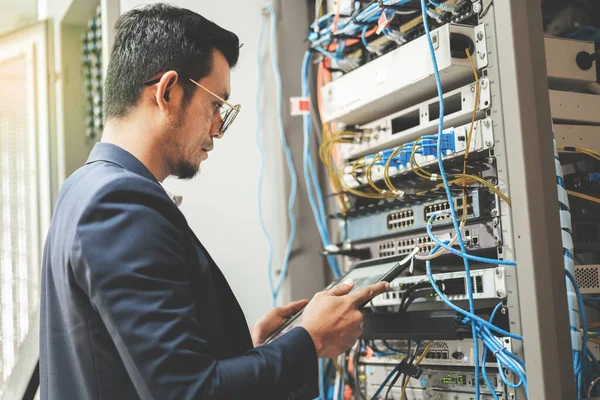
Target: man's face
[(190, 136)]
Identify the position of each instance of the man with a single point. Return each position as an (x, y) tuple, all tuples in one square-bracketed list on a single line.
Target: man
[(132, 304)]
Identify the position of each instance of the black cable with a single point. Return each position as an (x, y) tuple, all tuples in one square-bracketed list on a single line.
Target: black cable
[(386, 344), (377, 349), (392, 383), (484, 12)]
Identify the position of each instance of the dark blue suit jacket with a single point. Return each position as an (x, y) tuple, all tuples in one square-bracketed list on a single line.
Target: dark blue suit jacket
[(133, 306)]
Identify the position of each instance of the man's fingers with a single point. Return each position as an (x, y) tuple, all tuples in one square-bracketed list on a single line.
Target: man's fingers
[(367, 293), (292, 308), (342, 288)]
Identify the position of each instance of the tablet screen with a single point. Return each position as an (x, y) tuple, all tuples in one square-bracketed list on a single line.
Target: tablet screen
[(362, 275)]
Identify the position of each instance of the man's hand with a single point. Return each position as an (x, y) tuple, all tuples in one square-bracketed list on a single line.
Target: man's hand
[(333, 319), (273, 320)]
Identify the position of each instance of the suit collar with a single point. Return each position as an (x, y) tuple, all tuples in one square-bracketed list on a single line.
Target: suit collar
[(116, 155)]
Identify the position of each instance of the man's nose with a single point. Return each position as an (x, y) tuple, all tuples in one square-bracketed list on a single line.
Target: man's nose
[(215, 128)]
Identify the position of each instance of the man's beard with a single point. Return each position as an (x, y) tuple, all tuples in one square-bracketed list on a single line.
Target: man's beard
[(185, 170)]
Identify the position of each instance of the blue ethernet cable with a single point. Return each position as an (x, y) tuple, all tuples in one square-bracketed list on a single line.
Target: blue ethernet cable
[(288, 156), (363, 37), (464, 255), (348, 27), (310, 175), (459, 310), (484, 356), (447, 188), (261, 164)]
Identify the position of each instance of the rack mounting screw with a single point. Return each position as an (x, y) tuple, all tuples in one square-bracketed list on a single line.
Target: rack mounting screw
[(498, 271), (499, 293), (486, 123), (503, 311), (479, 35), (482, 55)]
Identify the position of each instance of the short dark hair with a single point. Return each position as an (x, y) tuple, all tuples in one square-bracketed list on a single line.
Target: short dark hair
[(158, 38)]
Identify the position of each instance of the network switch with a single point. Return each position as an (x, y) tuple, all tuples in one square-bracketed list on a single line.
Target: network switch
[(414, 217), (453, 146), (477, 236), (390, 82), (459, 380), (487, 284), (421, 119), (443, 353)]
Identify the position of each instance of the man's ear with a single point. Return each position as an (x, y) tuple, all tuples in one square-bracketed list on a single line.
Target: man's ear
[(164, 89)]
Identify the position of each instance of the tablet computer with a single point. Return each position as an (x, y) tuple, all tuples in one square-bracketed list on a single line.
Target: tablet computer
[(363, 274)]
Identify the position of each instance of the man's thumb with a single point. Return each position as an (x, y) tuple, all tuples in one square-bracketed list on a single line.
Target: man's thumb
[(342, 288)]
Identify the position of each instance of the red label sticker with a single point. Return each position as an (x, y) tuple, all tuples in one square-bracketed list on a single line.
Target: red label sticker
[(299, 106), (385, 20)]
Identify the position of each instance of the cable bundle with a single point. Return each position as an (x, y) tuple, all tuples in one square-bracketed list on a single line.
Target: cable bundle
[(275, 287)]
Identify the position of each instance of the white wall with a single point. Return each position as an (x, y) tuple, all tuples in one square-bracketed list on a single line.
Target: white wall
[(221, 203)]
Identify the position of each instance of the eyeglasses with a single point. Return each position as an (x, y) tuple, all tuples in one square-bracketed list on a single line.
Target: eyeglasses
[(227, 116)]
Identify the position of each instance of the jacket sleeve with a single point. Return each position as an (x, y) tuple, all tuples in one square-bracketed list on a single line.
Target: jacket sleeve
[(129, 259)]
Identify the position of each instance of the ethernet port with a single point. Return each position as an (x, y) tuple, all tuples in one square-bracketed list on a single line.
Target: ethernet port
[(459, 202), (475, 240), (479, 284), (444, 355), (438, 355), (467, 233), (456, 286)]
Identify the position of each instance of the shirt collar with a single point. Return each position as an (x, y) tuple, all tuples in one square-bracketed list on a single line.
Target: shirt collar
[(175, 198)]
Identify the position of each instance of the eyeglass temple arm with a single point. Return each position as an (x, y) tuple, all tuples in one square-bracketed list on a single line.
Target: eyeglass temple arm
[(214, 94)]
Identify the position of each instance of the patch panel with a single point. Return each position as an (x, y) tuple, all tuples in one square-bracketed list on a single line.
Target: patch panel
[(435, 378), (422, 119), (477, 236), (384, 84), (385, 222), (487, 284), (431, 209), (460, 353), (482, 140)]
